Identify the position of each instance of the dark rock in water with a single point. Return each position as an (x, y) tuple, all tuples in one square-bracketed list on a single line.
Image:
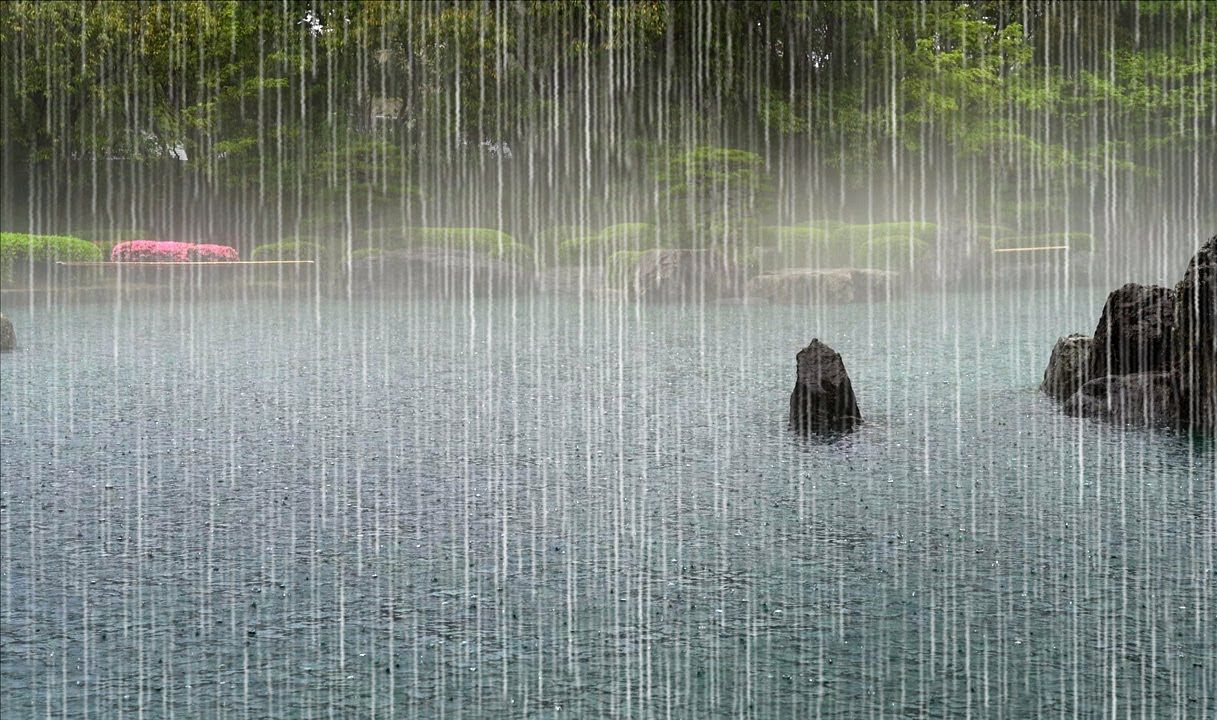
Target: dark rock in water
[(823, 399), (693, 275), (1147, 398), (1195, 340), (808, 286), (8, 336), (439, 273), (1134, 334), (1068, 367), (1153, 359)]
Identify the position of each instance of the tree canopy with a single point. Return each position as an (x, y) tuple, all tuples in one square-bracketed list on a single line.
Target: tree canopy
[(280, 118)]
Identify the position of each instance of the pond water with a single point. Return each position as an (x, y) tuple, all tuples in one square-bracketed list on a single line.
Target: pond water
[(548, 508)]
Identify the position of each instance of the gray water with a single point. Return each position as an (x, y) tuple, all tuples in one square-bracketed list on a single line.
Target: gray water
[(544, 508)]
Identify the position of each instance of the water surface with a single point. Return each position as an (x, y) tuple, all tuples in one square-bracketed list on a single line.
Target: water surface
[(548, 508)]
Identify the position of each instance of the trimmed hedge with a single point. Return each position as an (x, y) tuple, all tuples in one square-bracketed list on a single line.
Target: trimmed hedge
[(884, 246), (918, 231), (546, 242), (793, 245), (989, 233), (18, 247), (599, 247), (169, 251), (483, 241), (620, 267), (288, 250)]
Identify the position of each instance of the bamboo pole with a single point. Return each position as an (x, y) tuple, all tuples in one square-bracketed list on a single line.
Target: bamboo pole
[(136, 263), (1031, 249)]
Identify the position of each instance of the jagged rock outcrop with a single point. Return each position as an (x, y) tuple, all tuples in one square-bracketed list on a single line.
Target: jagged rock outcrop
[(823, 399), (1134, 333), (1153, 358), (8, 336), (682, 275), (1069, 367), (1146, 398), (807, 286), (1195, 340)]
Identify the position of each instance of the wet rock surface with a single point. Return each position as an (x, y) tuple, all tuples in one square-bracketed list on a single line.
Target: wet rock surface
[(1147, 398), (680, 275), (1068, 369), (1153, 357), (823, 400), (1195, 339), (1134, 332)]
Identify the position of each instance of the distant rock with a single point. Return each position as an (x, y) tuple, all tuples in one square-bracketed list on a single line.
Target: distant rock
[(682, 275), (1069, 367), (571, 280), (1195, 340), (823, 398), (1147, 398), (1134, 333), (8, 336), (439, 273), (811, 287)]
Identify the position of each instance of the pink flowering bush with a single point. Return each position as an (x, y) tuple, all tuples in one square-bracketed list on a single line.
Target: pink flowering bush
[(149, 251), (213, 253), (165, 251)]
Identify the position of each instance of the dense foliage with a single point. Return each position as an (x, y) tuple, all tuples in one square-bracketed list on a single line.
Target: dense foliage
[(22, 247), (219, 120)]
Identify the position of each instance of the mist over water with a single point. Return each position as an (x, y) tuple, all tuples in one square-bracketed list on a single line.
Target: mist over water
[(489, 418)]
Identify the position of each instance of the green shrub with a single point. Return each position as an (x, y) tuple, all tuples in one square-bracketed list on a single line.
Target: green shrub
[(921, 232), (788, 246), (885, 246), (21, 247), (824, 225), (884, 252), (288, 250), (1076, 242), (599, 247), (483, 241), (579, 249), (828, 244), (546, 242), (989, 233)]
